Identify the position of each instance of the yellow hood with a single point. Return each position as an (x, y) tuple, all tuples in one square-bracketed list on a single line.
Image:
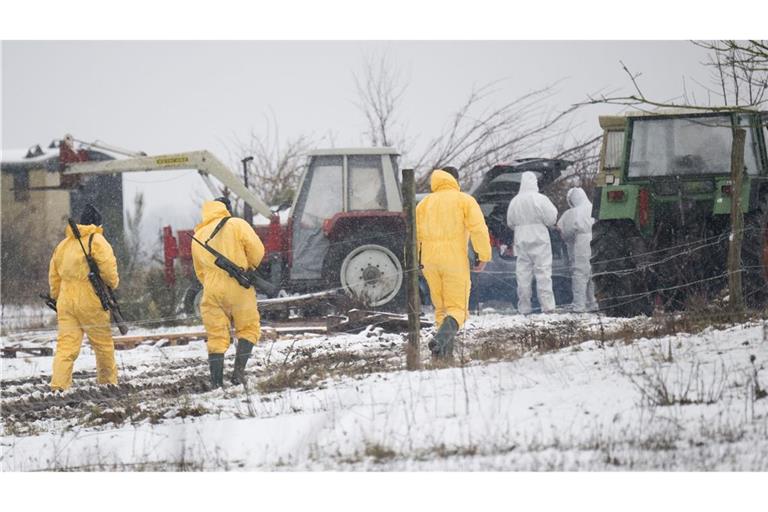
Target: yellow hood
[(86, 230), (212, 211), (441, 180)]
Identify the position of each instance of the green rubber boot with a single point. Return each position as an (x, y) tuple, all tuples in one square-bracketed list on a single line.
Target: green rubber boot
[(216, 364), (442, 344), (243, 353)]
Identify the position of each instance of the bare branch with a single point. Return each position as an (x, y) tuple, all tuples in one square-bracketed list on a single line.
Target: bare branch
[(740, 72), (277, 163), (481, 134), (484, 130), (380, 90)]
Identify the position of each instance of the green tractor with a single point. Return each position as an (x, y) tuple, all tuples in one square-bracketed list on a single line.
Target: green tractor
[(663, 202)]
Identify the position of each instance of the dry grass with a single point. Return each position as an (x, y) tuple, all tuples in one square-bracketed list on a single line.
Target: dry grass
[(510, 342), (306, 368), (674, 385), (379, 453)]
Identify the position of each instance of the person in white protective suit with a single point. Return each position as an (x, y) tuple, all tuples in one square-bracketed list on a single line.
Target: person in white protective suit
[(529, 214), (576, 228)]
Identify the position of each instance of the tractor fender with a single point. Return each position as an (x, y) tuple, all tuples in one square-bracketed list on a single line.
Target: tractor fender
[(612, 208), (373, 222), (722, 203)]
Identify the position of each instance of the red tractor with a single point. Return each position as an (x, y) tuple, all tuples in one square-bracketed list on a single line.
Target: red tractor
[(343, 232)]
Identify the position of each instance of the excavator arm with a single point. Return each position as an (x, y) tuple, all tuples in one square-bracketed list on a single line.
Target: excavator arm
[(203, 161)]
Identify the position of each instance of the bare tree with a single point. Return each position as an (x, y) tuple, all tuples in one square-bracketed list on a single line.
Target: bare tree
[(740, 75), (25, 258), (484, 130), (134, 253), (277, 163), (487, 130), (740, 70), (582, 172), (380, 90)]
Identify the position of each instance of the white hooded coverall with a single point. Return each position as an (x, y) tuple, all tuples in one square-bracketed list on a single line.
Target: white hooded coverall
[(529, 214), (576, 228)]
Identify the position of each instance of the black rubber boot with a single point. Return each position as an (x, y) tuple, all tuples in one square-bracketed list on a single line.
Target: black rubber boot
[(442, 344), (216, 364), (243, 353)]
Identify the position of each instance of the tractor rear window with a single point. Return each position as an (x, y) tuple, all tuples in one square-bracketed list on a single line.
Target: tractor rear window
[(685, 147), (614, 145), (765, 126), (765, 132), (366, 183), (323, 197)]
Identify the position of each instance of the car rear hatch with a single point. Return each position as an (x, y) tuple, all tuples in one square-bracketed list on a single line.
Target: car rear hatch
[(501, 184)]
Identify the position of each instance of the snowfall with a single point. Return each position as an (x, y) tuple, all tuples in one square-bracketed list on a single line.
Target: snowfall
[(541, 392)]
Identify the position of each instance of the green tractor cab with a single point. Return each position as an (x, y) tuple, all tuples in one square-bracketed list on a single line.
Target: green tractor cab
[(663, 202)]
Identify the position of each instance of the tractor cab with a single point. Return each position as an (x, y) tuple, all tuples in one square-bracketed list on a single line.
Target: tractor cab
[(663, 204), (346, 226), (673, 160)]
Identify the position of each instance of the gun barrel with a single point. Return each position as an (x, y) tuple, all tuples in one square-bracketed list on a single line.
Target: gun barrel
[(244, 278), (262, 284), (119, 320), (74, 228), (49, 301)]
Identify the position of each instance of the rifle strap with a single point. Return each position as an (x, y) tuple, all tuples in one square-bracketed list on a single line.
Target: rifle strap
[(217, 229)]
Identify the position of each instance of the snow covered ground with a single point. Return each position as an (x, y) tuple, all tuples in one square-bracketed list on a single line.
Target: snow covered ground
[(15, 319), (558, 392)]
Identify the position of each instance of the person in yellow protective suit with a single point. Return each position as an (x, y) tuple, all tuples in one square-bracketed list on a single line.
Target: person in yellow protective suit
[(224, 300), (446, 220), (78, 307)]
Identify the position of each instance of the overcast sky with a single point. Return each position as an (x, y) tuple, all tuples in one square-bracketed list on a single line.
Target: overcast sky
[(163, 97)]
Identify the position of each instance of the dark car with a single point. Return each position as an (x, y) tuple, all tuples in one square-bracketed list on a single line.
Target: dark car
[(497, 283)]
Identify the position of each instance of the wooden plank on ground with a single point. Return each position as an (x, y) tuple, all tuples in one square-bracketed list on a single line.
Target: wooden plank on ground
[(11, 352)]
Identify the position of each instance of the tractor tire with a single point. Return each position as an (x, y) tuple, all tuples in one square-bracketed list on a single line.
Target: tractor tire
[(370, 274), (620, 286), (754, 255)]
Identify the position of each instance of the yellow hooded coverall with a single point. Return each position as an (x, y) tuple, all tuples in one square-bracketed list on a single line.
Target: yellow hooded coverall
[(445, 222), (224, 300), (78, 308)]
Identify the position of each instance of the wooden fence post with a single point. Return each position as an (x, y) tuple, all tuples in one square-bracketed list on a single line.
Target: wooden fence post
[(411, 277), (737, 222)]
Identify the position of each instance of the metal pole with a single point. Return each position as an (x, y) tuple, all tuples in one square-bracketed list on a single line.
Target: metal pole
[(247, 210), (737, 222), (411, 278)]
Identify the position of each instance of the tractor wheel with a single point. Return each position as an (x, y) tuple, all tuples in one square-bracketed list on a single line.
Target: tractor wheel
[(754, 255), (371, 274), (620, 287)]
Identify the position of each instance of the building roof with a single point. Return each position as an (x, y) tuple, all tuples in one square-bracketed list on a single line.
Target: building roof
[(34, 157), (37, 157)]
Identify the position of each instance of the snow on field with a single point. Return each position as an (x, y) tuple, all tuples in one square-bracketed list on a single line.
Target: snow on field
[(344, 402), (15, 319)]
